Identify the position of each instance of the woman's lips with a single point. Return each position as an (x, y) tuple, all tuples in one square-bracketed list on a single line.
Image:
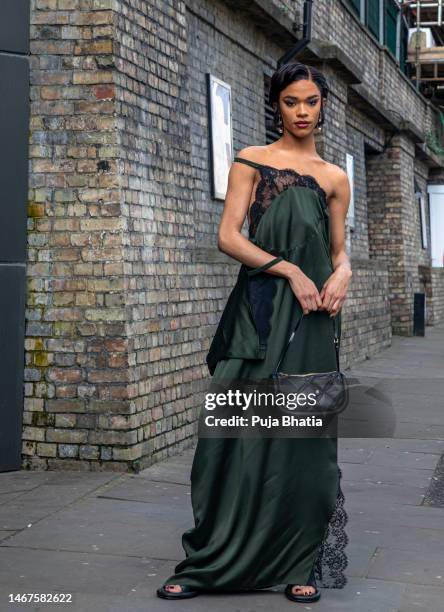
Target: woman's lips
[(302, 124)]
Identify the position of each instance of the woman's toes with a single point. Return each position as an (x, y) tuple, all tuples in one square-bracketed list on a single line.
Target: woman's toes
[(306, 590), (175, 588)]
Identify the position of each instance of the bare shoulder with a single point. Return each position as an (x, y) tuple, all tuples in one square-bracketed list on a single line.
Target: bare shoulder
[(338, 176), (251, 153), (338, 179)]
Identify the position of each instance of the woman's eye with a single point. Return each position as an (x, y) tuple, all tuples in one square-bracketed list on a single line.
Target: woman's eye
[(312, 103)]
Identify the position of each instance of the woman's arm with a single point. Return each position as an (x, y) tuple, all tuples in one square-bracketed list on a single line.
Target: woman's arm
[(233, 243), (230, 239), (334, 290)]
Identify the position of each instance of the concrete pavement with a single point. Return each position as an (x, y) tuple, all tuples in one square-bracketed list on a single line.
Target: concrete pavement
[(111, 539)]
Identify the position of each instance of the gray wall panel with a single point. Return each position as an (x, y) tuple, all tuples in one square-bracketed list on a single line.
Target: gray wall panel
[(14, 26), (14, 134), (12, 330), (14, 129)]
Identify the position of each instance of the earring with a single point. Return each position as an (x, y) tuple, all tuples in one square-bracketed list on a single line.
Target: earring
[(280, 128), (320, 121)]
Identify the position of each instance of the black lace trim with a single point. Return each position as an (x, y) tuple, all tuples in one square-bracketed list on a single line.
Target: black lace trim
[(332, 560), (274, 181)]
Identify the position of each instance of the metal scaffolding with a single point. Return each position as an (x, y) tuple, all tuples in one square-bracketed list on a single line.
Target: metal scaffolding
[(427, 60)]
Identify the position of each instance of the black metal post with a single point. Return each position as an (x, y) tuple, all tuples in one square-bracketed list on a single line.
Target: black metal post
[(306, 35)]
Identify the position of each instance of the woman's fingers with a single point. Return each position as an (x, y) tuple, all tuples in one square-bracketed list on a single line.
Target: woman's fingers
[(311, 302), (318, 300), (307, 293), (336, 307)]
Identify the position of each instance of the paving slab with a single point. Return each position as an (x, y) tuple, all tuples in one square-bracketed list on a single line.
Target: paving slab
[(404, 565), (402, 444), (417, 597), (111, 526), (356, 472), (383, 493), (67, 572), (47, 498), (421, 539), (150, 491), (173, 471)]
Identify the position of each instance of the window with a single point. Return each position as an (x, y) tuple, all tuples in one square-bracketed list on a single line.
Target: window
[(372, 16), (355, 5), (390, 25), (403, 46), (384, 20)]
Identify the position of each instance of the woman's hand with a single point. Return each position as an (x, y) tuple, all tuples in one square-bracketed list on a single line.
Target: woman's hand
[(305, 290), (334, 290)]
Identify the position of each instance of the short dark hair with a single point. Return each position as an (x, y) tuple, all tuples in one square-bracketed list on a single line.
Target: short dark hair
[(296, 71)]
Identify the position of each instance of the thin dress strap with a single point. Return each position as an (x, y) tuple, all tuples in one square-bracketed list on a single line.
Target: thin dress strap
[(247, 161)]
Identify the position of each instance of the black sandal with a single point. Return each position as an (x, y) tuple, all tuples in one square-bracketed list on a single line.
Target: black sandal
[(185, 593), (304, 598)]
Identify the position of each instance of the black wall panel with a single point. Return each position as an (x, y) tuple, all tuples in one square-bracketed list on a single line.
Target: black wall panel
[(12, 328), (14, 128), (14, 26), (14, 139)]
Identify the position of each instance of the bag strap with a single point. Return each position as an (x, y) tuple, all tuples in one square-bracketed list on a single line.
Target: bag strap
[(336, 342)]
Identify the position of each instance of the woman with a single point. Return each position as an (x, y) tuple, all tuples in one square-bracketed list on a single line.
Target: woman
[(270, 511)]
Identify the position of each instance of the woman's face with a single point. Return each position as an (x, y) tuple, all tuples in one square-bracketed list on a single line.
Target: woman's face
[(300, 103)]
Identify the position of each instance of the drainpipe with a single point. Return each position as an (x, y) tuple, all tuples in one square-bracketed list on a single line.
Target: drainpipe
[(306, 35)]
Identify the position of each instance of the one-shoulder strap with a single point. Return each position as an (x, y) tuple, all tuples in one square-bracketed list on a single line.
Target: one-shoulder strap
[(247, 161)]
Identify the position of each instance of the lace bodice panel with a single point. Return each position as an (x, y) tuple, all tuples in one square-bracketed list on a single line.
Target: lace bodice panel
[(272, 182)]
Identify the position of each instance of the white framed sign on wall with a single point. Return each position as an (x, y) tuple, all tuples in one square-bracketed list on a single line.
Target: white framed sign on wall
[(436, 200), (350, 173), (220, 134)]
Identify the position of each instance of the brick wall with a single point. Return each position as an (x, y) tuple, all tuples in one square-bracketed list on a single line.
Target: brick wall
[(389, 205), (159, 208), (366, 316), (125, 282), (435, 304), (76, 344)]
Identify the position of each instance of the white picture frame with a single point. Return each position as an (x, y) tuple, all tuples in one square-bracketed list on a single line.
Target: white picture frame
[(220, 136), (422, 219), (349, 159), (436, 208)]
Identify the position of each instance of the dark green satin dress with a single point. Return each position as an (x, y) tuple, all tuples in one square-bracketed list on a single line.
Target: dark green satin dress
[(267, 510)]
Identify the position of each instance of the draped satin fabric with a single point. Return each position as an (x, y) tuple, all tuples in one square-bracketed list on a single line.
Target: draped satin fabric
[(263, 507)]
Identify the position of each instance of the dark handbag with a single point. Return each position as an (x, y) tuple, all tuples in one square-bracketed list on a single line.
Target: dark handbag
[(326, 393)]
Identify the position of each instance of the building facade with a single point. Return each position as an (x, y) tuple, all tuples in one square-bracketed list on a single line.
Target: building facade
[(125, 283)]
